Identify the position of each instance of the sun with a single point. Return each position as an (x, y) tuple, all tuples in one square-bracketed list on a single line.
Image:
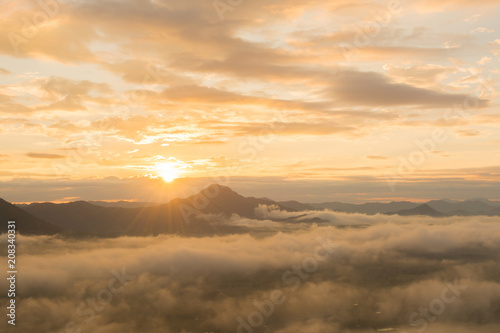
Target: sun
[(167, 171)]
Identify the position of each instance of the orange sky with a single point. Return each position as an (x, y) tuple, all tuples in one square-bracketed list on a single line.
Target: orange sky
[(313, 100)]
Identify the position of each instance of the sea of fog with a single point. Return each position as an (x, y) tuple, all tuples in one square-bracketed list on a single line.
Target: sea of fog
[(349, 273)]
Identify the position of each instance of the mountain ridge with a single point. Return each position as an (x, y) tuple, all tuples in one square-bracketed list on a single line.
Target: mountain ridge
[(190, 215), (25, 223), (180, 215)]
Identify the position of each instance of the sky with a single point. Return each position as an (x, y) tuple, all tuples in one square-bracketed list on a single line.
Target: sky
[(350, 101)]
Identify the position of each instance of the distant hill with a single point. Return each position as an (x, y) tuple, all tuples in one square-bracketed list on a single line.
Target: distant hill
[(366, 208), (489, 202), (82, 216), (446, 207), (25, 222), (124, 204), (228, 202), (424, 210), (177, 216), (189, 215), (475, 207), (495, 211), (296, 206)]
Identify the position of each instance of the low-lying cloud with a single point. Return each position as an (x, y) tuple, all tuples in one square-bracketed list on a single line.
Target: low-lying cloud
[(352, 273)]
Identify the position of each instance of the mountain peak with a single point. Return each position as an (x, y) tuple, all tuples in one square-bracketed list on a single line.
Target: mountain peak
[(215, 190), (423, 209), (26, 223), (483, 200), (219, 187), (449, 200)]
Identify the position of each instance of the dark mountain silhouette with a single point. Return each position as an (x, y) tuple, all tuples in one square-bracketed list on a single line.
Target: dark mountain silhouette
[(486, 201), (495, 211), (460, 212), (178, 216), (25, 222), (297, 206), (81, 216), (189, 215), (473, 207), (424, 209), (366, 208), (444, 206), (124, 204), (221, 199)]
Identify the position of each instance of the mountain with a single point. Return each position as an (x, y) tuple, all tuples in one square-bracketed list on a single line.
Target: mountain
[(477, 206), (334, 206), (470, 207), (81, 216), (189, 215), (296, 206), (444, 206), (25, 222), (221, 199), (486, 201), (424, 209), (366, 208), (495, 211), (178, 216), (124, 204), (460, 212)]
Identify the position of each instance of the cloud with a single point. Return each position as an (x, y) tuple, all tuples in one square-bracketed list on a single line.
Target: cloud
[(375, 274), (64, 39), (54, 94), (381, 53), (3, 71), (208, 83), (69, 95), (9, 105), (472, 18), (483, 30), (426, 76), (145, 73), (377, 157), (467, 133), (374, 89), (46, 156), (447, 4), (484, 60)]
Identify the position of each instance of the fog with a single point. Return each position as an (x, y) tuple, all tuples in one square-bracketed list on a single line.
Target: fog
[(351, 273)]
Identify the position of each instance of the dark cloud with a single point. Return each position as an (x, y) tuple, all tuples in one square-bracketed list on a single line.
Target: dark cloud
[(375, 89)]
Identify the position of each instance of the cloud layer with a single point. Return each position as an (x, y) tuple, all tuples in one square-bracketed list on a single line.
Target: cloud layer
[(330, 278)]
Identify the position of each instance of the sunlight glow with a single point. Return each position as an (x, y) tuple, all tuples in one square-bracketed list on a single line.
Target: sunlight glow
[(167, 171)]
